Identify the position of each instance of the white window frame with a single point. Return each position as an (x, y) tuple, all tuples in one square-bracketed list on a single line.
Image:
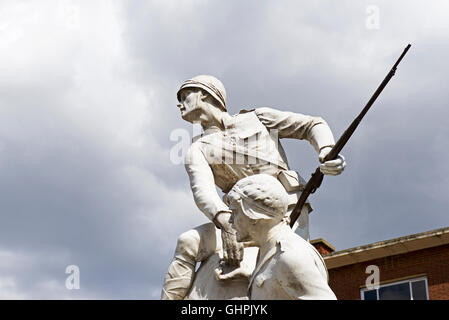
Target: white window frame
[(362, 291)]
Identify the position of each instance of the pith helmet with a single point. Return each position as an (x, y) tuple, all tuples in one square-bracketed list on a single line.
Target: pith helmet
[(262, 197), (210, 84)]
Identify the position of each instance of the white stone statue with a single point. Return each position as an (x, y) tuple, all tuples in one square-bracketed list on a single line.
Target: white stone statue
[(288, 267), (232, 148)]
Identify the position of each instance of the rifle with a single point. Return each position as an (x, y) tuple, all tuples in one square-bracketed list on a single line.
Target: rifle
[(317, 177)]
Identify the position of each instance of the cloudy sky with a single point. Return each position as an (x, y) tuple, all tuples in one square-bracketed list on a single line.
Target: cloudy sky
[(88, 106)]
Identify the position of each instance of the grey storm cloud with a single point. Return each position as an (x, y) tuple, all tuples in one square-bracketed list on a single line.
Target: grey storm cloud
[(88, 105)]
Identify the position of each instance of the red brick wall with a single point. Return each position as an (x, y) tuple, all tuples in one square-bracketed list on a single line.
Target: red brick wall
[(322, 248), (346, 281)]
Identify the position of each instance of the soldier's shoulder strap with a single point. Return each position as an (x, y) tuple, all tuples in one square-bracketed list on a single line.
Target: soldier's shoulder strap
[(246, 110)]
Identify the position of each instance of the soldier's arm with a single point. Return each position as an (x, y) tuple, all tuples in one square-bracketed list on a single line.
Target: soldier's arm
[(297, 126), (202, 183)]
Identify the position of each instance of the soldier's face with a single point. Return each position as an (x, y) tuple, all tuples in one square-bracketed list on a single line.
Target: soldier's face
[(189, 105), (240, 222)]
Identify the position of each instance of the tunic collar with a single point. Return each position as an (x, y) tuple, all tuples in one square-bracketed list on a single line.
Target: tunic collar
[(259, 265)]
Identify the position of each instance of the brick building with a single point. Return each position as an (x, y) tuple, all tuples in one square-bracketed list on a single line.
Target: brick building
[(411, 267)]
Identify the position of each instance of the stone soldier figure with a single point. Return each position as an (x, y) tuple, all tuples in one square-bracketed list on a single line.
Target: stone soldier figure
[(288, 268), (232, 148)]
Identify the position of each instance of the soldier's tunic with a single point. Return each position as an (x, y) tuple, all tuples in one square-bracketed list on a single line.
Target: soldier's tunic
[(291, 270), (248, 145)]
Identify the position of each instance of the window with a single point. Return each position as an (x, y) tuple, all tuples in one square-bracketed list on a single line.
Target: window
[(412, 289)]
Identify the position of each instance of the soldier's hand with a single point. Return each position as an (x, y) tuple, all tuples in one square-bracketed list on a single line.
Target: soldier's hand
[(331, 167), (232, 250), (224, 272)]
